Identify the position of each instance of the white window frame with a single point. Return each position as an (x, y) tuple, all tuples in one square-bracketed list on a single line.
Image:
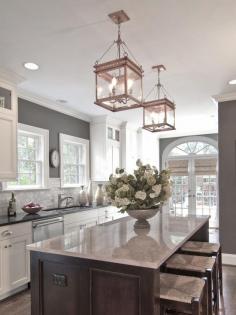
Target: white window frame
[(44, 134), (85, 143)]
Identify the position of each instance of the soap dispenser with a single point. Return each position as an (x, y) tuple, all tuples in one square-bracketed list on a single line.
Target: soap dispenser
[(12, 206)]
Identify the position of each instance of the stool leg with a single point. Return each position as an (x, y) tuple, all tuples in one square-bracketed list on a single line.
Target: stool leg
[(209, 285), (205, 298), (220, 271), (162, 310), (195, 307), (216, 289)]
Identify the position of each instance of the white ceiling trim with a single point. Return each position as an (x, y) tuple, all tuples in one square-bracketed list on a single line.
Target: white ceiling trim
[(45, 102), (187, 133), (11, 76), (225, 97)]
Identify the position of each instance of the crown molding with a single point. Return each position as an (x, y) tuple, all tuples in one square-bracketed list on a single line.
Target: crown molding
[(224, 97), (46, 102), (177, 133), (10, 76), (106, 119)]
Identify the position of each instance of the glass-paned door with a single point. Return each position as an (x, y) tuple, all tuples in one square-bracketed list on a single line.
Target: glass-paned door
[(193, 168)]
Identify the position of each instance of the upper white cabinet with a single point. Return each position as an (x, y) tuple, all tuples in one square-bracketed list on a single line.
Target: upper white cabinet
[(8, 123), (105, 147)]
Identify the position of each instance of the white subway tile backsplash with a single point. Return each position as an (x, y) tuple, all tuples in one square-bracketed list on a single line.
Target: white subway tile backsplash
[(47, 198)]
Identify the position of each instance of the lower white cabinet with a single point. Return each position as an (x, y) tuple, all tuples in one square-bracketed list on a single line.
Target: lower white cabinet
[(14, 257), (76, 221)]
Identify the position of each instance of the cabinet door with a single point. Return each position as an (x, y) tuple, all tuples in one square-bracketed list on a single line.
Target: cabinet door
[(115, 157), (2, 281), (8, 121), (8, 144), (18, 268)]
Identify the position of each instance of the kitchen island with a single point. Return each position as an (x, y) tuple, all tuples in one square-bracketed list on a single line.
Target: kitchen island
[(109, 269)]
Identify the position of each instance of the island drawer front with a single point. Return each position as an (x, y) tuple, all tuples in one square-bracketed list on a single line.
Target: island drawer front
[(15, 230)]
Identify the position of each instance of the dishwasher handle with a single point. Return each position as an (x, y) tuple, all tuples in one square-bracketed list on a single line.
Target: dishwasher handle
[(40, 223)]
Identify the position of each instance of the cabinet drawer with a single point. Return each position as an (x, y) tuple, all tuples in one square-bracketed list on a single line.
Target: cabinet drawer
[(15, 230)]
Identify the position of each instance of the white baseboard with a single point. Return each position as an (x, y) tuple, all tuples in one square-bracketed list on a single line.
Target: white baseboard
[(12, 292), (229, 259)]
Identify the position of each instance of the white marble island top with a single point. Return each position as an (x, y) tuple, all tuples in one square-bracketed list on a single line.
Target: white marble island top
[(117, 242)]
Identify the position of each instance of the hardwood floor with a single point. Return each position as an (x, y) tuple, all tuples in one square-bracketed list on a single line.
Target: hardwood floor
[(20, 303)]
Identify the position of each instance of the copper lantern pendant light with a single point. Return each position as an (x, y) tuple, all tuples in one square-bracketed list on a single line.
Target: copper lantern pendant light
[(158, 114), (118, 81)]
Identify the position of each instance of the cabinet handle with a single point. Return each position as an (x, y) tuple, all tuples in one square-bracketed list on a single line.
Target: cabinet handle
[(6, 233)]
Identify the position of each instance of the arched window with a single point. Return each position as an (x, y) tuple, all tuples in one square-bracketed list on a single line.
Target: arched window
[(192, 162)]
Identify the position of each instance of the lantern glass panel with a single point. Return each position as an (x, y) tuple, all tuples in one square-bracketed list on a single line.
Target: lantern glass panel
[(134, 85), (110, 83), (154, 115), (170, 115)]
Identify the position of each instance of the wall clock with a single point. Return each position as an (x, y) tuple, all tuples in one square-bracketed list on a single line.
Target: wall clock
[(54, 158)]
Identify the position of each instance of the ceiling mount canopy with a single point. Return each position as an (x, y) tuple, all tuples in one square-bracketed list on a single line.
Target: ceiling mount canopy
[(118, 81), (159, 112)]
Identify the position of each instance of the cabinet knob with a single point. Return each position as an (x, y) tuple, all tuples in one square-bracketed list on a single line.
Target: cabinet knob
[(10, 245), (5, 246)]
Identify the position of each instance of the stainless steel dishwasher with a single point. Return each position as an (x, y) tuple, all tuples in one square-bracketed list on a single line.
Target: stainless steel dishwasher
[(47, 228)]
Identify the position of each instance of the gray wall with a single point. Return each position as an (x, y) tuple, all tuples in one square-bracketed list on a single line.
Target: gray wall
[(227, 175), (35, 115), (166, 141)]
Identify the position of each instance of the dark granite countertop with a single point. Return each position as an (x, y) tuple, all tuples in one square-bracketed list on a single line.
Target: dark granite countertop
[(43, 214)]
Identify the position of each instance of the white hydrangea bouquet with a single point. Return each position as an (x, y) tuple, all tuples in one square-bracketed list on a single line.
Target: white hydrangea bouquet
[(147, 188)]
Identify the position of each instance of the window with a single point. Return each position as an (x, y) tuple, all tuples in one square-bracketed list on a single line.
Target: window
[(193, 148), (74, 161), (32, 152), (113, 134)]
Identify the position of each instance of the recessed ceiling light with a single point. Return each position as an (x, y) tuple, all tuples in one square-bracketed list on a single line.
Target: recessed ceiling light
[(231, 82), (31, 66)]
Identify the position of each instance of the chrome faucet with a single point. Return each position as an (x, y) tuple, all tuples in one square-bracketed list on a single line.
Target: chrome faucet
[(69, 200)]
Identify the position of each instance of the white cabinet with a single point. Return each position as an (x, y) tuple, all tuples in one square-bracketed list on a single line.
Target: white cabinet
[(80, 220), (14, 257), (8, 123), (105, 147), (113, 156), (1, 269)]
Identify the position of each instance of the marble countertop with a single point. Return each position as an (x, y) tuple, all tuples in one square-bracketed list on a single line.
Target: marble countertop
[(43, 214), (118, 242)]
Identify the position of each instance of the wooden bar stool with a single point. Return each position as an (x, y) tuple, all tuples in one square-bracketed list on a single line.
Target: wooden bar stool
[(206, 249), (184, 294), (197, 266)]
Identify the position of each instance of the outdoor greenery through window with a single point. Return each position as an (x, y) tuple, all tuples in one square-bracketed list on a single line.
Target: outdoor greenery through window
[(31, 160), (74, 164), (74, 160)]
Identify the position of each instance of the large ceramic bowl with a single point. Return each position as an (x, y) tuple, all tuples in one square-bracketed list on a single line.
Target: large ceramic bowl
[(142, 215), (32, 210)]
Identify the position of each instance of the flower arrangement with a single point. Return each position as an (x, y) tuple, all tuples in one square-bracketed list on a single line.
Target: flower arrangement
[(145, 189)]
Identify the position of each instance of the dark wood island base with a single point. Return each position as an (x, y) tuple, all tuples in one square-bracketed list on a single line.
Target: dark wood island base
[(63, 284)]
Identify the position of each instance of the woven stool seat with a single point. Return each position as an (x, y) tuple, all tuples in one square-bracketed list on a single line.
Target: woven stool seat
[(190, 262), (201, 247), (180, 288)]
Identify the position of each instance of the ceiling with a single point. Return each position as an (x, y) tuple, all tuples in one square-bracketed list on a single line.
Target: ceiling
[(195, 40)]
